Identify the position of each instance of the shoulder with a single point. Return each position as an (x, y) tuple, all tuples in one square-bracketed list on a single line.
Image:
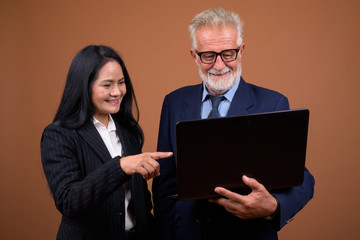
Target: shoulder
[(257, 93), (53, 127), (184, 91), (57, 133), (261, 99), (261, 91)]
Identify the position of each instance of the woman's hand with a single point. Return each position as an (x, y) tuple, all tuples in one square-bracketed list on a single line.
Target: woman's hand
[(145, 164)]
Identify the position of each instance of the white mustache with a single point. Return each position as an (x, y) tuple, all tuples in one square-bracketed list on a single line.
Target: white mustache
[(213, 71)]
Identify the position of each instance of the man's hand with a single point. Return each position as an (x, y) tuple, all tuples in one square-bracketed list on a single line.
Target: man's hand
[(144, 164), (259, 203)]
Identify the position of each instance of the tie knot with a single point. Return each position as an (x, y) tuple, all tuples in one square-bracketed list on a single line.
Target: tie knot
[(215, 100)]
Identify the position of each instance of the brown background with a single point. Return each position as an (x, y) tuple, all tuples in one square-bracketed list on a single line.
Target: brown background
[(308, 50)]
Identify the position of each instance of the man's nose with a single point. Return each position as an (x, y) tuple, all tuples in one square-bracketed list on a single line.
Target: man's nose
[(219, 64)]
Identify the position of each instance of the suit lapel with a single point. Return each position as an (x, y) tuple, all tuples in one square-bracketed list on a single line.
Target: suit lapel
[(127, 147), (242, 100), (92, 137), (193, 104), (240, 104)]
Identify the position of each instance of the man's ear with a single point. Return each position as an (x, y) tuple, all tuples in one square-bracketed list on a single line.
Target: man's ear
[(193, 54), (242, 47)]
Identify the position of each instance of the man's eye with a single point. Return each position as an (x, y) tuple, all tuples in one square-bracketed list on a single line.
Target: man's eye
[(227, 56), (208, 56)]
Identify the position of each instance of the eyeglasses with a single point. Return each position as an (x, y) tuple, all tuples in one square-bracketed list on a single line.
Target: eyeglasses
[(227, 55)]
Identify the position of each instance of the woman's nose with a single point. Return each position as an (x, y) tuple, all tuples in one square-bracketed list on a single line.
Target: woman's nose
[(115, 91)]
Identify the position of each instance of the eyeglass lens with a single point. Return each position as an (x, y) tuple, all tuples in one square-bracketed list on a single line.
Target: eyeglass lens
[(226, 56)]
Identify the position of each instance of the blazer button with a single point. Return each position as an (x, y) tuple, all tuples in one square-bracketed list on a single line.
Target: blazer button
[(119, 213)]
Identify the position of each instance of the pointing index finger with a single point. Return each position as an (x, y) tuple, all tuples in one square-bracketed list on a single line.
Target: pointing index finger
[(157, 155)]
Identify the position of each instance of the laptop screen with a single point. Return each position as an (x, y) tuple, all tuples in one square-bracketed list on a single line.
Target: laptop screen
[(270, 147)]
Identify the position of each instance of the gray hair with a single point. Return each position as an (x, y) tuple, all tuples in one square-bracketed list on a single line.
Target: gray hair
[(218, 17)]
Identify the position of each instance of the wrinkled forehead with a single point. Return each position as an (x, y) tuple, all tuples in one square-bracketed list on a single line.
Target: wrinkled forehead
[(214, 38)]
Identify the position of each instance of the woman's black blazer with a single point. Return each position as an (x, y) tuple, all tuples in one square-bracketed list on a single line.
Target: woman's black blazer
[(87, 184)]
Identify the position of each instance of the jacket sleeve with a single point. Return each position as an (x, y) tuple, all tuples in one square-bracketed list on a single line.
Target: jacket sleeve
[(165, 184), (292, 200), (76, 192)]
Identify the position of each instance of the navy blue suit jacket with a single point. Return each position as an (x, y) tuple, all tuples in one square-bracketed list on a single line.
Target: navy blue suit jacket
[(87, 184), (200, 219)]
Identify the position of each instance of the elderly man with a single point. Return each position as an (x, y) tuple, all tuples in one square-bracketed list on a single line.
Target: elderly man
[(216, 36)]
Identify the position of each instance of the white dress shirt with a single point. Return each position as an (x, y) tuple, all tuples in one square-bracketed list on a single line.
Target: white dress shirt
[(113, 144)]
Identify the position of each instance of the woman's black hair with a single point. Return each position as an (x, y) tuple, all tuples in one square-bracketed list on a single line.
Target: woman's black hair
[(76, 108)]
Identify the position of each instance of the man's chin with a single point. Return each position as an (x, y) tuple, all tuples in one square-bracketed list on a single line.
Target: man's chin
[(219, 88)]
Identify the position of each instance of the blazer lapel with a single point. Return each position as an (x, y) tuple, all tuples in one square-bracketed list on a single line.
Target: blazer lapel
[(92, 137), (240, 104), (125, 139), (193, 104), (242, 100)]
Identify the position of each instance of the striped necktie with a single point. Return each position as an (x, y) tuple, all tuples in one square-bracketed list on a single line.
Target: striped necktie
[(215, 101)]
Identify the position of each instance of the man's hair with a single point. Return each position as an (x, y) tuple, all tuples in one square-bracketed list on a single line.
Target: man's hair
[(216, 17)]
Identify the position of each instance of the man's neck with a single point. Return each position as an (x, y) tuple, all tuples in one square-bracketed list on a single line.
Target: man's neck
[(214, 93)]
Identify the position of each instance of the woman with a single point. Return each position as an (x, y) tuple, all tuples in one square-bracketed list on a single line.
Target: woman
[(91, 153)]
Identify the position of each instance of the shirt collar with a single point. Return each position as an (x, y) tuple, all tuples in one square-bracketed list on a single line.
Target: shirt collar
[(229, 95), (111, 125)]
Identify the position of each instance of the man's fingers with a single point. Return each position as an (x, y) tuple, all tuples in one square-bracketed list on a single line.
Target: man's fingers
[(252, 183), (228, 194), (228, 204), (219, 201)]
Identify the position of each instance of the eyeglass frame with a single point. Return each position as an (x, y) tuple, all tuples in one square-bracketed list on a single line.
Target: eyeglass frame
[(218, 54)]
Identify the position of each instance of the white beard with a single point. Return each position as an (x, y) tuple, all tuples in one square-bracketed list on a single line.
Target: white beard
[(220, 86)]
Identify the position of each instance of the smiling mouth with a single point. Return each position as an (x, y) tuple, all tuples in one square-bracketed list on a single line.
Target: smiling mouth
[(219, 75), (116, 101)]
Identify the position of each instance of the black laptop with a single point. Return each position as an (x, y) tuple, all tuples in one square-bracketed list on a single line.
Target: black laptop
[(270, 147)]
